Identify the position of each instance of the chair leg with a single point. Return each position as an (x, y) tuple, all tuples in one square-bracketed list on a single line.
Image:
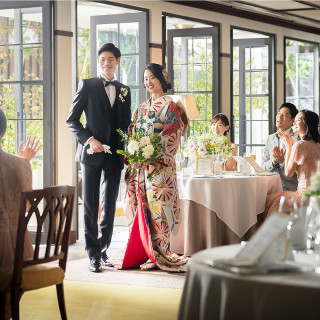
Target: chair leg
[(62, 306), (2, 305), (15, 303)]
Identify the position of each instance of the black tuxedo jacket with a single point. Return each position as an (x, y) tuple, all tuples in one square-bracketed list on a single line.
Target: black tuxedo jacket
[(92, 99)]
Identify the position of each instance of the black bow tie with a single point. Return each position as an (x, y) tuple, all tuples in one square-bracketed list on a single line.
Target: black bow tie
[(109, 82)]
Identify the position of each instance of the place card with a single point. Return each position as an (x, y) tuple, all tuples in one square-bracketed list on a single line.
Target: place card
[(204, 166), (268, 245), (254, 165)]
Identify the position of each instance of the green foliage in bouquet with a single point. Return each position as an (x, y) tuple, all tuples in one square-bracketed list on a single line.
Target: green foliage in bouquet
[(141, 148)]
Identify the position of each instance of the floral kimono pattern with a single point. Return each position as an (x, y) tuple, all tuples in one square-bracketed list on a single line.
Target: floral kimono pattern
[(158, 183)]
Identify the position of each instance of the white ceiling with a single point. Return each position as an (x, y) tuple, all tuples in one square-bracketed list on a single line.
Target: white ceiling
[(303, 12)]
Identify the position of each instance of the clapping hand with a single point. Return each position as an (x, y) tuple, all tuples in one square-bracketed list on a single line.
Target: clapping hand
[(277, 155), (286, 139), (30, 149)]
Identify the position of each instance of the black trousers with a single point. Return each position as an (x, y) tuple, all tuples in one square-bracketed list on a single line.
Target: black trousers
[(99, 183)]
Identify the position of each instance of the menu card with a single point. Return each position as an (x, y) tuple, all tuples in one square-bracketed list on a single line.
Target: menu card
[(268, 245), (204, 166), (254, 165)]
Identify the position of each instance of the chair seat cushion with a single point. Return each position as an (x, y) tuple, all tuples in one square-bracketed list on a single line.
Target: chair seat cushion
[(34, 277)]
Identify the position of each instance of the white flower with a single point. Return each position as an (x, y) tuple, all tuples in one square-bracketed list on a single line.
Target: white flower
[(133, 146), (148, 151), (202, 151), (123, 93), (144, 141)]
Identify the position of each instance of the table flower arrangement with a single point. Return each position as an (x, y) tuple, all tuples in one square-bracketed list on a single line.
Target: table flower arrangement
[(207, 144), (140, 148)]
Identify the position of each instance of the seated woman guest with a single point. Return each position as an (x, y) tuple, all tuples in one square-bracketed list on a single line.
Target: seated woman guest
[(301, 157), (220, 126), (15, 177)]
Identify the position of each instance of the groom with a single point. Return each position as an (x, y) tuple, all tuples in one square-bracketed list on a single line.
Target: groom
[(106, 104)]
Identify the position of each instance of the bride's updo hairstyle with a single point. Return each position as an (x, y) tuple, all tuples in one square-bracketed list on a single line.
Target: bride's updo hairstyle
[(311, 119), (161, 74)]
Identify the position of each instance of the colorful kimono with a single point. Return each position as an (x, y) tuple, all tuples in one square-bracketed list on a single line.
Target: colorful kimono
[(153, 211)]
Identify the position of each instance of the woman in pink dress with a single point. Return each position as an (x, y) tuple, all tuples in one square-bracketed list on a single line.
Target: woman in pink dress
[(152, 199), (220, 125), (301, 157)]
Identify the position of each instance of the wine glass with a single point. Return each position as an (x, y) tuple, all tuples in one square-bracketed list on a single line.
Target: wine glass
[(179, 159), (287, 205), (220, 160), (214, 162)]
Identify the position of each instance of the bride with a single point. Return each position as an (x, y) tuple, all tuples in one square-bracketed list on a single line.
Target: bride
[(152, 200)]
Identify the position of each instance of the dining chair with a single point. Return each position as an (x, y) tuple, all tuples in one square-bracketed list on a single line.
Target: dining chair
[(48, 212)]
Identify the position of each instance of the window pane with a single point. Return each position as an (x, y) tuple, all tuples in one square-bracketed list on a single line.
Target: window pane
[(33, 102), (32, 27), (259, 82), (259, 58), (177, 75), (236, 108), (177, 54), (129, 70), (236, 132), (7, 99), (7, 63), (107, 33), (260, 108), (199, 50), (7, 26), (302, 82), (248, 108), (134, 99), (129, 37), (32, 63), (235, 82), (257, 130), (235, 58)]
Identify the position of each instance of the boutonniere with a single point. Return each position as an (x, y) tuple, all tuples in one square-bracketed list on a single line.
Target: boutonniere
[(123, 93)]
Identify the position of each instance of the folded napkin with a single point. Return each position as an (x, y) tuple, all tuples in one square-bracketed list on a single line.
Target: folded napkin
[(105, 147)]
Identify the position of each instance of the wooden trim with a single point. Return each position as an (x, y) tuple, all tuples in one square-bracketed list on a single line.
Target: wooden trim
[(241, 13), (155, 45), (278, 62), (225, 55), (63, 33)]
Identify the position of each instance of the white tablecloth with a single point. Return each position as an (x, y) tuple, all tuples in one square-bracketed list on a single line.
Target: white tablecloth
[(237, 200)]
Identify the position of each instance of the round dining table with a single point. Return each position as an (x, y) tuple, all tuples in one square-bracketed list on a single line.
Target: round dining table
[(221, 209), (212, 293)]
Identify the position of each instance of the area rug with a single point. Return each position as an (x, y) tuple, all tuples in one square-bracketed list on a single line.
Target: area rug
[(88, 300)]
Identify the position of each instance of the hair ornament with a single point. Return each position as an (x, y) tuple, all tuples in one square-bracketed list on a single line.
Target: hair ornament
[(165, 75)]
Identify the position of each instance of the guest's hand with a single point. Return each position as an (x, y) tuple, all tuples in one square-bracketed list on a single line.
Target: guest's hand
[(286, 139), (95, 145), (277, 155), (30, 149)]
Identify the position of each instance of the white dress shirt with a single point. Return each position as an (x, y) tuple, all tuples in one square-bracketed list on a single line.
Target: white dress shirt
[(111, 93), (110, 90)]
